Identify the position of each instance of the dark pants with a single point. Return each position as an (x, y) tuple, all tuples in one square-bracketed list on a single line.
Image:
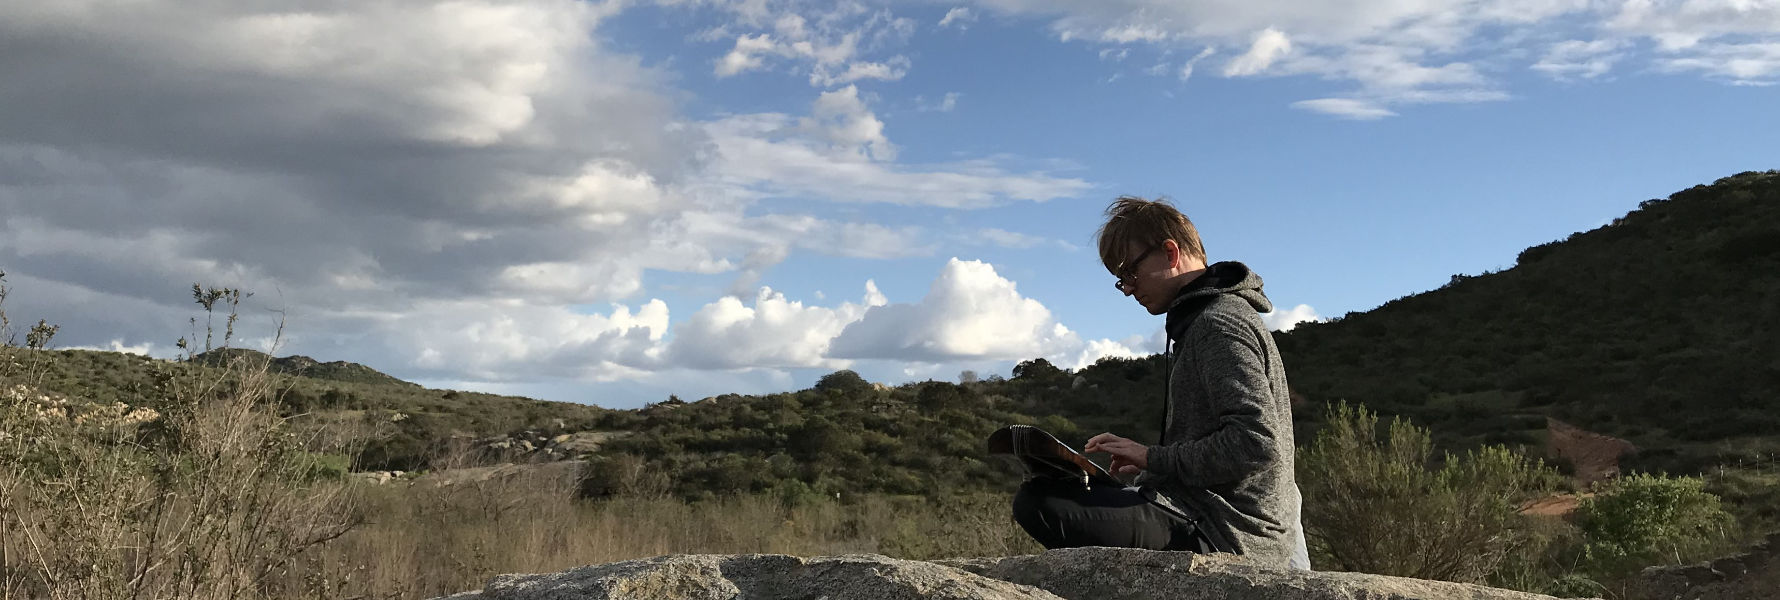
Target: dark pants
[(1060, 514)]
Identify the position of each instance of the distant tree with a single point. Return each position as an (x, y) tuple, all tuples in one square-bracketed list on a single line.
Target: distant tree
[(845, 381), (936, 396), (1037, 369), (967, 377)]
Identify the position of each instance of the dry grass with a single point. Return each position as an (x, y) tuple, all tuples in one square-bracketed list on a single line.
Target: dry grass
[(428, 541), (207, 492)]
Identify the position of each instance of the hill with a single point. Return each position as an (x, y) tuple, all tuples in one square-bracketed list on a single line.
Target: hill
[(303, 366), (1662, 327), (410, 424)]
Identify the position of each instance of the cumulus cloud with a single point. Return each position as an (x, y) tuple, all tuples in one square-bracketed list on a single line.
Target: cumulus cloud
[(970, 312), (518, 341), (1286, 319), (774, 332), (1268, 46)]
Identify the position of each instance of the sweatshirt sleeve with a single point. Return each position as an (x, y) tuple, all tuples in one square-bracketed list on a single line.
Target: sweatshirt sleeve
[(1236, 390)]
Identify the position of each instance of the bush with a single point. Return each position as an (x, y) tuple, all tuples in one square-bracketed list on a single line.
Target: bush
[(1644, 519), (1383, 506), (845, 381)]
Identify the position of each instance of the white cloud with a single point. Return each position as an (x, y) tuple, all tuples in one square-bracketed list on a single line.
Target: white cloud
[(1434, 51), (947, 103), (1576, 59), (838, 153), (850, 128), (474, 190), (1679, 24), (830, 43), (1743, 64), (891, 70), (1286, 319), (1349, 108), (517, 341), (774, 332), (1092, 352), (747, 55), (1186, 70), (970, 313), (118, 345), (1268, 46), (959, 16), (1010, 239)]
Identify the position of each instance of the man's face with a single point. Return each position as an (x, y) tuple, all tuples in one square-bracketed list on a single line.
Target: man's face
[(1146, 274)]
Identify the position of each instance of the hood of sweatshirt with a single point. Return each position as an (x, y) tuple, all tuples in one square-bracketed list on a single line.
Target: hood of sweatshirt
[(1228, 277)]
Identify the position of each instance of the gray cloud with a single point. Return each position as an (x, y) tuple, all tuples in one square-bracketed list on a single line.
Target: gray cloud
[(461, 190)]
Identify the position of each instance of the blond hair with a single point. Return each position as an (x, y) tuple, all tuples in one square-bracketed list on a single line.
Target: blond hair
[(1133, 222)]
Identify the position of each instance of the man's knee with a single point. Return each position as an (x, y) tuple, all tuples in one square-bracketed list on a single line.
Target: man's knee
[(1033, 512)]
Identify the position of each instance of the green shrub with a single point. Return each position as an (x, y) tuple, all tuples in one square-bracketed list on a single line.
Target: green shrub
[(1385, 506), (1643, 519)]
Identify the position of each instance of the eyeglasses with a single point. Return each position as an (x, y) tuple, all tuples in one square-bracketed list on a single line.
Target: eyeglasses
[(1128, 270)]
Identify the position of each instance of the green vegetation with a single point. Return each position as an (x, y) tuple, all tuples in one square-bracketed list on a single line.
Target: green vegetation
[(1387, 506), (1662, 328), (1645, 519)]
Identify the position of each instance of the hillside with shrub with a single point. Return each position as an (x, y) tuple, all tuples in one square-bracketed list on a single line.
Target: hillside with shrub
[(1662, 328)]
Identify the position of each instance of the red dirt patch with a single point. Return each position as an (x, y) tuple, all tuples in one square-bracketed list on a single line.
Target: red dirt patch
[(1595, 457)]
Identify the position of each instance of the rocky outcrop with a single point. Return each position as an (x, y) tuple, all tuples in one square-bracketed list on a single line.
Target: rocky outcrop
[(1073, 574), (564, 472), (533, 445), (1751, 575)]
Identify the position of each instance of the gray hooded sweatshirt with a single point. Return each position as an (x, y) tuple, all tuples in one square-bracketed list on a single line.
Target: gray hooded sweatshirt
[(1226, 451)]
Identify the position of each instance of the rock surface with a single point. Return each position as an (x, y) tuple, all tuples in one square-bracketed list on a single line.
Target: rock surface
[(1072, 574), (1751, 575)]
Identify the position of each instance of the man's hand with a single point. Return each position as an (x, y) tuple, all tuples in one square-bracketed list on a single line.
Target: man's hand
[(1128, 457)]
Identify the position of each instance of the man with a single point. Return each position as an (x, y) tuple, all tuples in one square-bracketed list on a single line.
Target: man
[(1220, 479)]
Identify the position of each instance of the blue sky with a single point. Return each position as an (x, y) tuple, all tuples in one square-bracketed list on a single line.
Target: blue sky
[(613, 202)]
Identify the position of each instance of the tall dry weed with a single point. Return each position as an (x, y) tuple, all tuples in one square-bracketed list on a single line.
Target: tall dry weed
[(203, 494)]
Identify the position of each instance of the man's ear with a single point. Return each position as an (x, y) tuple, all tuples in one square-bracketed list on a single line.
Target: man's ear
[(1174, 254)]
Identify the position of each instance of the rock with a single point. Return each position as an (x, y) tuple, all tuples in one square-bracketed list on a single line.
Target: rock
[(586, 441), (564, 471), (374, 477), (1073, 574), (1130, 574), (754, 576)]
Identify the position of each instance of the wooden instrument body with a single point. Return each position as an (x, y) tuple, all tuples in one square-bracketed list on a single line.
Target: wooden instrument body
[(1043, 455)]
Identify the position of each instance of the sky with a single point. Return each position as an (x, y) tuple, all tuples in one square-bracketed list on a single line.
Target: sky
[(616, 201)]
